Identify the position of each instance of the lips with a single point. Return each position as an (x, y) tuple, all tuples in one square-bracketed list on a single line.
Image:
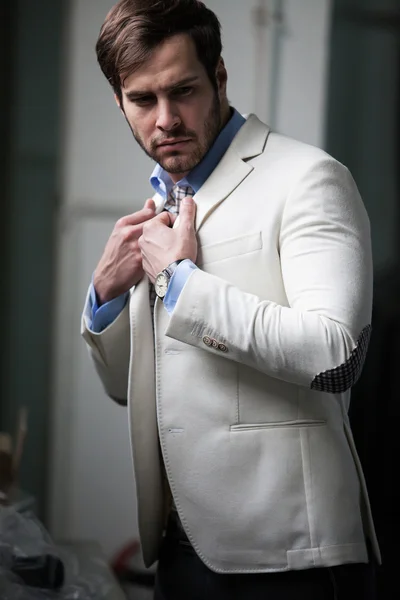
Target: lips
[(174, 142), (174, 145)]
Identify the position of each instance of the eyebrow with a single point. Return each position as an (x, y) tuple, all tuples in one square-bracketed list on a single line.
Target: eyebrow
[(134, 94)]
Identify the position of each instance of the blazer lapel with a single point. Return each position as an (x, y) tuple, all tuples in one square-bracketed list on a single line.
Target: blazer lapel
[(232, 169), (159, 202), (143, 424), (143, 350), (230, 173)]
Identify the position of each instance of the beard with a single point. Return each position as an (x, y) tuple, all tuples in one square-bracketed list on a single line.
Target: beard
[(175, 163)]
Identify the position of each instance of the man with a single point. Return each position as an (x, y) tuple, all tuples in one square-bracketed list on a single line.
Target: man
[(238, 379)]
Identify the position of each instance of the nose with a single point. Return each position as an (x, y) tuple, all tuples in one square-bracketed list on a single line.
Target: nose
[(168, 117)]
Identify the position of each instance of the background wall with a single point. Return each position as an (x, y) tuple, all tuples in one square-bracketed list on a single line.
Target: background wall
[(31, 67), (363, 128), (105, 175), (362, 124)]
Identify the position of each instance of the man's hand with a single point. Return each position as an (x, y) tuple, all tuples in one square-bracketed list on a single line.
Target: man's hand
[(161, 245), (120, 267)]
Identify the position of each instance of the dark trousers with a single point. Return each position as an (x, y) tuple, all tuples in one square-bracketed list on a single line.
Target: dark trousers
[(181, 575)]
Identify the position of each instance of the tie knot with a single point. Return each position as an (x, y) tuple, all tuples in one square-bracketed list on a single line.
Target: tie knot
[(176, 195)]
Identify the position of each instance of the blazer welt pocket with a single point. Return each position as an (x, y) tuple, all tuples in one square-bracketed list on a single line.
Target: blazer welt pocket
[(229, 248), (278, 425)]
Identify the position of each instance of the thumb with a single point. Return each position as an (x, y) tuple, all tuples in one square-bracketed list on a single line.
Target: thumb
[(187, 211)]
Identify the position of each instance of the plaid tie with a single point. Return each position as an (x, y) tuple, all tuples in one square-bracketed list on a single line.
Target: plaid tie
[(175, 197)]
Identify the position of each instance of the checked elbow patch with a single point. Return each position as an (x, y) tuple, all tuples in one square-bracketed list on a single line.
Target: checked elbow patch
[(342, 378)]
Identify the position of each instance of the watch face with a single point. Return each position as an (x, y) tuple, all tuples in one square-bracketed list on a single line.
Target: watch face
[(161, 285)]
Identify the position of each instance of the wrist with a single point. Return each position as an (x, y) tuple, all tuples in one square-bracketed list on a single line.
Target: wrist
[(163, 278), (103, 293)]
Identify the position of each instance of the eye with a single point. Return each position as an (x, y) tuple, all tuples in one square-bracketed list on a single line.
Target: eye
[(183, 91), (143, 100)]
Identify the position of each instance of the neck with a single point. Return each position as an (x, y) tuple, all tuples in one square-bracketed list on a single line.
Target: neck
[(175, 177), (226, 114)]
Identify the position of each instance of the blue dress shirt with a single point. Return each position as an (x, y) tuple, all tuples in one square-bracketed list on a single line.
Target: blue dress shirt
[(104, 315)]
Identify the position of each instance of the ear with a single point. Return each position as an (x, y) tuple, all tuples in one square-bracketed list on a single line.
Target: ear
[(222, 78), (117, 100)]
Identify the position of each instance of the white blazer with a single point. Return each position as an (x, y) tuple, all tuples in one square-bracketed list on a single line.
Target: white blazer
[(247, 387)]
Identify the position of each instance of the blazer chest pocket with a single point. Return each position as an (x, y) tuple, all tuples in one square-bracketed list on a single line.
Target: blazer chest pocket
[(280, 425), (229, 248)]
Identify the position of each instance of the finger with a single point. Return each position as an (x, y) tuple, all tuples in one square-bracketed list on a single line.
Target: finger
[(133, 232), (136, 218), (187, 212), (164, 218), (150, 204)]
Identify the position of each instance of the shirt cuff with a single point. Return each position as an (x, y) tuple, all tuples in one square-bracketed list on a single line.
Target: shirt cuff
[(106, 314), (177, 283)]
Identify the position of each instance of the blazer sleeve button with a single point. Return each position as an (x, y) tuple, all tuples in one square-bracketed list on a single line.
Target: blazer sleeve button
[(215, 344), (207, 340), (222, 348)]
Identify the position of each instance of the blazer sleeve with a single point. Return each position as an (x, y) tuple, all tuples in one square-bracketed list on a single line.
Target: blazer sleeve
[(110, 352), (320, 339)]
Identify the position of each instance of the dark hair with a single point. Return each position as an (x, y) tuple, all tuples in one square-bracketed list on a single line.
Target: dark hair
[(133, 29)]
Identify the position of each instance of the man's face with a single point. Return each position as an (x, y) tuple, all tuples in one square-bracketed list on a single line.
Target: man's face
[(172, 108)]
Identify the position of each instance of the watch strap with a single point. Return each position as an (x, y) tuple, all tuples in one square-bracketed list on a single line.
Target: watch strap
[(172, 267)]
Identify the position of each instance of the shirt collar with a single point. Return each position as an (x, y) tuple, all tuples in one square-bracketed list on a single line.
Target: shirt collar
[(162, 182)]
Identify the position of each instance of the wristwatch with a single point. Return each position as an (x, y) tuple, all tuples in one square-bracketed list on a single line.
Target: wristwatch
[(162, 280)]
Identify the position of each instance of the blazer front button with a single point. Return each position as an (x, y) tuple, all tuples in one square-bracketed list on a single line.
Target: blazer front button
[(207, 341), (222, 348)]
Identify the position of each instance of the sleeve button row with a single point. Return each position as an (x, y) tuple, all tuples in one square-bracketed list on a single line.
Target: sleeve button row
[(211, 343)]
